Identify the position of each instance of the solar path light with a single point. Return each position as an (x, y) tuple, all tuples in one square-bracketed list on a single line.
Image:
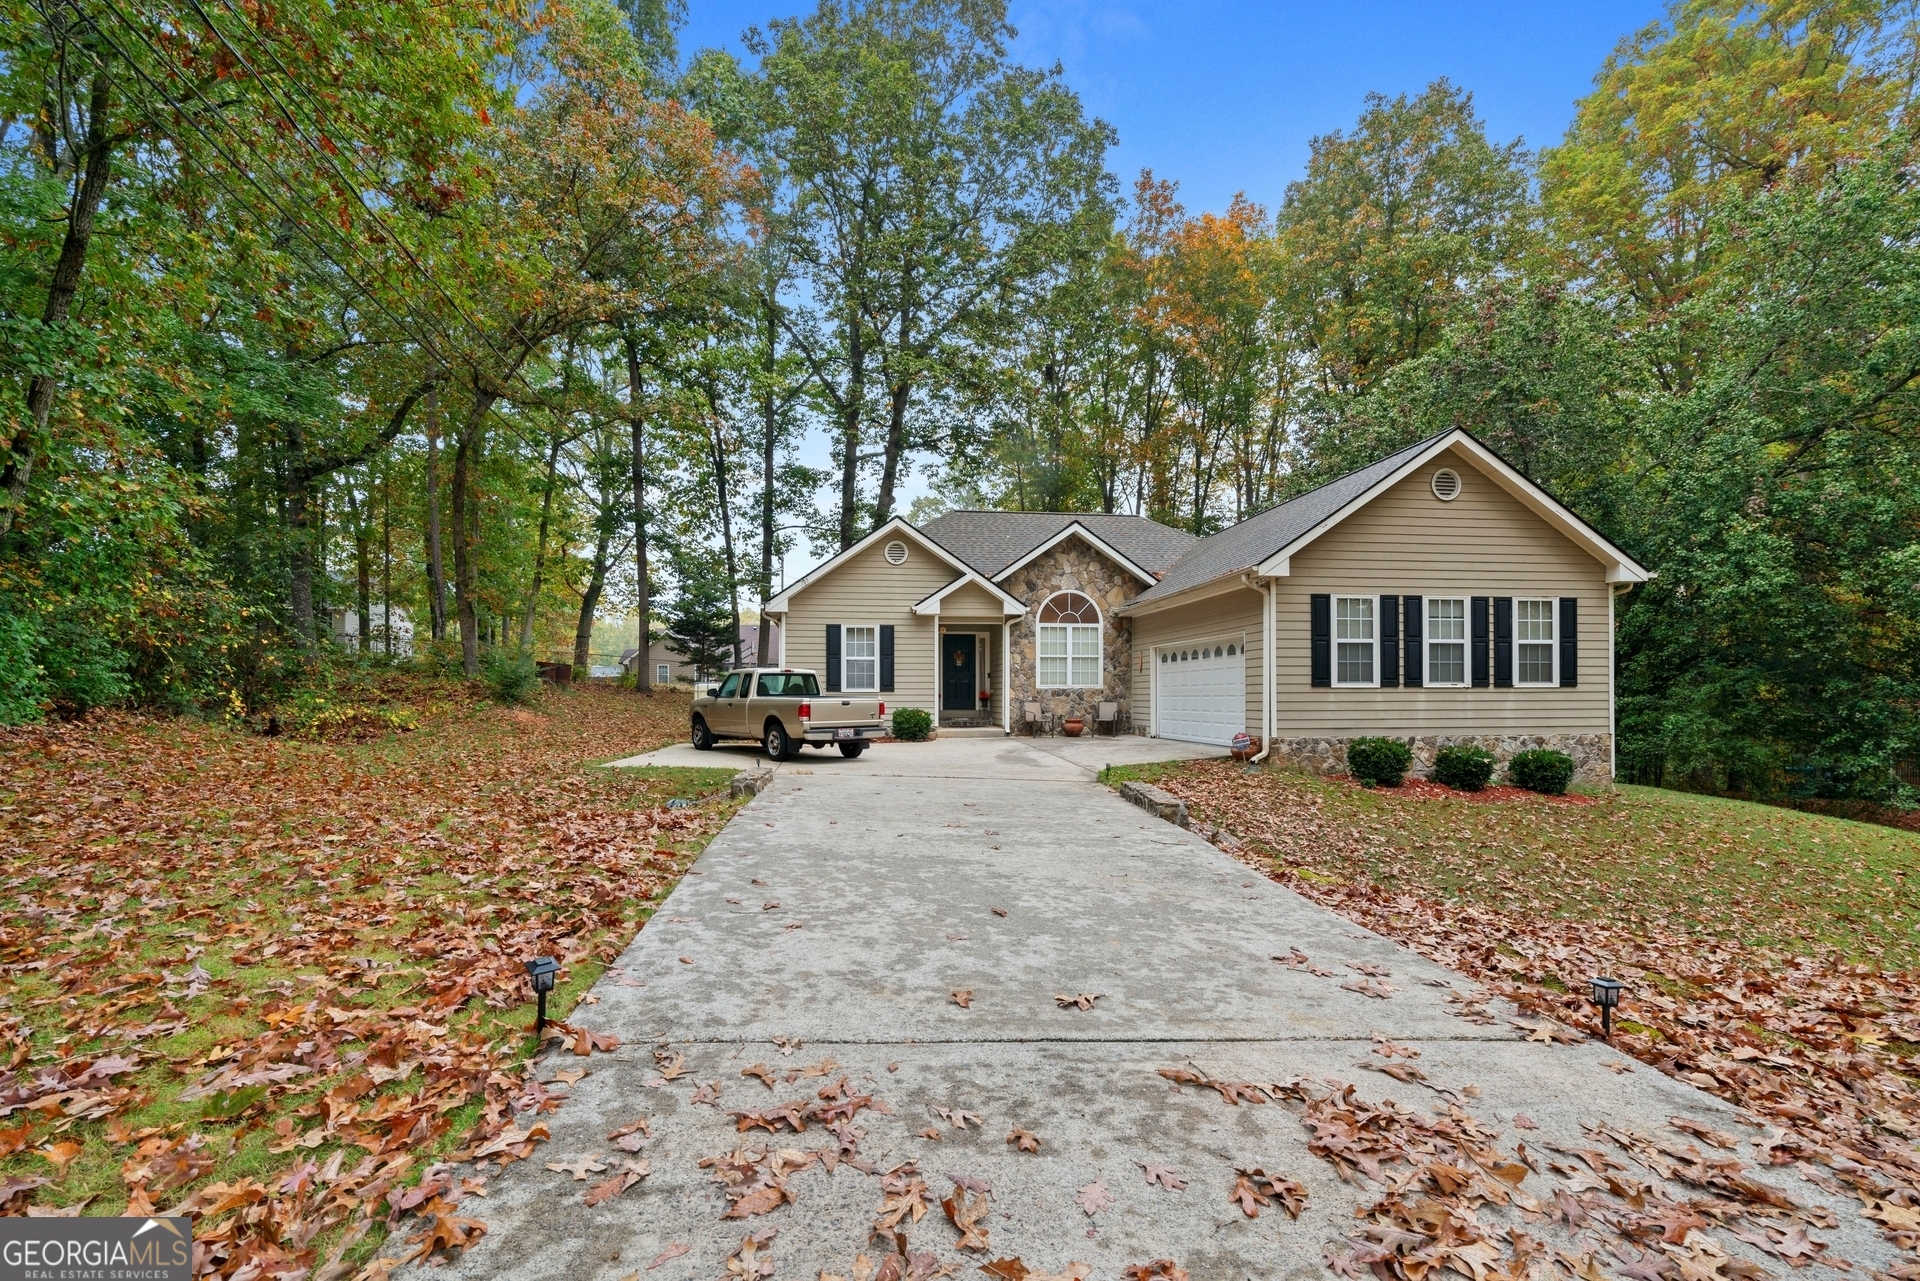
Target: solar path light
[(1606, 995), (540, 972)]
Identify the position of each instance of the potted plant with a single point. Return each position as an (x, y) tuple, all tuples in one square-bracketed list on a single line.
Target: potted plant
[(1074, 726), (986, 696)]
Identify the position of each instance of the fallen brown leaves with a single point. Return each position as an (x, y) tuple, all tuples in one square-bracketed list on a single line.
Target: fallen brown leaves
[(966, 1209), (311, 953), (1075, 1000), (1810, 1043), (1254, 1187)]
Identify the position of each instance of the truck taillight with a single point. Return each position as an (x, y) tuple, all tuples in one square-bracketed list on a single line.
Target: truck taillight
[(882, 711), (806, 711)]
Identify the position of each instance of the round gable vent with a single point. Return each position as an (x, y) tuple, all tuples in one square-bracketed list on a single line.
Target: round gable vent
[(896, 552), (1446, 484)]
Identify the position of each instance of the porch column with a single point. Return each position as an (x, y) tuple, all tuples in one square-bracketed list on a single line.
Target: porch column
[(939, 649), (1006, 674)]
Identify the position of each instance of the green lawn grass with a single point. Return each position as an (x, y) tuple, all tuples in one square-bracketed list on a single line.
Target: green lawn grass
[(138, 848), (1639, 857)]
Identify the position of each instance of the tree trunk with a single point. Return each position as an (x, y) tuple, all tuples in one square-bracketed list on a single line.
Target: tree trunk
[(300, 570), (896, 447), (93, 174), (850, 434), (540, 544), (466, 525), (643, 604), (717, 443), (436, 567), (386, 559), (583, 630), (362, 569), (769, 426)]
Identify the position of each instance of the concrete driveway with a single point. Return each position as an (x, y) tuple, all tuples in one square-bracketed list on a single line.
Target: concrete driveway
[(999, 756), (826, 930)]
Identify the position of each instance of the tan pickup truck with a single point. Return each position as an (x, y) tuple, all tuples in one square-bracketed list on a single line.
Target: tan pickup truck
[(783, 708)]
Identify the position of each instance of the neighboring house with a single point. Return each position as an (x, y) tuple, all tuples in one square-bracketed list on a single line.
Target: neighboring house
[(666, 665), (344, 622), (1436, 596)]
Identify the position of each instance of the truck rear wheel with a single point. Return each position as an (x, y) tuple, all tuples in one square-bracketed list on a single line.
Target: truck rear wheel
[(779, 746), (851, 750)]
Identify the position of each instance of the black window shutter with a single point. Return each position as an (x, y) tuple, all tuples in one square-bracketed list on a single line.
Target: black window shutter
[(1389, 641), (833, 658), (886, 658), (1321, 609), (1477, 607), (1415, 607), (1569, 642), (1503, 641)]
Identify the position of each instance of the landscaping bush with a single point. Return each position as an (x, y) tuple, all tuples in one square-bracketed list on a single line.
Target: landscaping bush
[(1466, 768), (511, 675), (1379, 762), (1541, 770), (912, 724)]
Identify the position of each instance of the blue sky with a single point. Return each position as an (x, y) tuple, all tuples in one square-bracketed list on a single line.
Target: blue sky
[(1224, 98)]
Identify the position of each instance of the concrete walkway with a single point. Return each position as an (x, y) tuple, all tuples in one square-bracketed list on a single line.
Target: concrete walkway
[(835, 916), (1017, 756)]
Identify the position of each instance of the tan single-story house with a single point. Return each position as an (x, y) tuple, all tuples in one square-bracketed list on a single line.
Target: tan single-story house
[(666, 665), (1436, 596)]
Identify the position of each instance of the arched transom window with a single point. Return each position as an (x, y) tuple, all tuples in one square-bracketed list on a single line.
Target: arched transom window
[(1068, 642)]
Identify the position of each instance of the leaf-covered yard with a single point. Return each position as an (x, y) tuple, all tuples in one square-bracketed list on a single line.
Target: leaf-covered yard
[(1768, 954), (271, 981)]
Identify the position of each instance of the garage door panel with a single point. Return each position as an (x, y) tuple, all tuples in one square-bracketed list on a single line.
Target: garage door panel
[(1200, 693)]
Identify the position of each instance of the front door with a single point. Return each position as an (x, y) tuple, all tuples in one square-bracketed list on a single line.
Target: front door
[(957, 690)]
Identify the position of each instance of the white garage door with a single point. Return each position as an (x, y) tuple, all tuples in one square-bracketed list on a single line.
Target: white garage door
[(1200, 692)]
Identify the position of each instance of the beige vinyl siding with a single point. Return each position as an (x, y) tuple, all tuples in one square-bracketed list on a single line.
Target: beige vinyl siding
[(1234, 616), (971, 601), (1483, 543), (866, 591)]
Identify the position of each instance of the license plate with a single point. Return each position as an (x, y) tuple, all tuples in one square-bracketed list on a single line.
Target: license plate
[(846, 733)]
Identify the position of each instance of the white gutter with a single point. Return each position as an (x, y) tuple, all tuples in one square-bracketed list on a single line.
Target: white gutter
[(1265, 587)]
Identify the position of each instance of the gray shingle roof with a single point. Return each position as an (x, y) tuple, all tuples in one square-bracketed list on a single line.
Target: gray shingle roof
[(1240, 547), (991, 541)]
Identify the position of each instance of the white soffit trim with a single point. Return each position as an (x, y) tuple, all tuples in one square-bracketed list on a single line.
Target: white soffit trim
[(1621, 568), (1100, 545), (898, 525), (931, 604)]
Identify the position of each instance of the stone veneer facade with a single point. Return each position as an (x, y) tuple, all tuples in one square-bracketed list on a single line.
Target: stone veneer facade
[(1592, 753), (1072, 565)]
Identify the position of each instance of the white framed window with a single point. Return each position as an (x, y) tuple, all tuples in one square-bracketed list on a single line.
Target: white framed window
[(662, 674), (860, 658), (1446, 640), (1068, 642), (1355, 641), (1535, 653)]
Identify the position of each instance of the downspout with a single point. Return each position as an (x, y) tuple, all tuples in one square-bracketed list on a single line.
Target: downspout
[(1265, 587)]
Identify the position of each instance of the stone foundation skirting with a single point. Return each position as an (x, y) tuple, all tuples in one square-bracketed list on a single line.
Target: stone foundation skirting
[(1592, 753)]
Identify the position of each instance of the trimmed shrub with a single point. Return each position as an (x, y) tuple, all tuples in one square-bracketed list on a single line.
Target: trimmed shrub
[(1465, 768), (1379, 762), (511, 675), (912, 724), (1541, 770)]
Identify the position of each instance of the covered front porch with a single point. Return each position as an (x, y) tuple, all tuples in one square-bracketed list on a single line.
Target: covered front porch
[(970, 674)]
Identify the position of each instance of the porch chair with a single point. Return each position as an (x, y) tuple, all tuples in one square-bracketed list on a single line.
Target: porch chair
[(1108, 714), (1030, 712)]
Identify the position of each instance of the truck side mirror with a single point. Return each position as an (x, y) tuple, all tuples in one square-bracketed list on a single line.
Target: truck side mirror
[(713, 691)]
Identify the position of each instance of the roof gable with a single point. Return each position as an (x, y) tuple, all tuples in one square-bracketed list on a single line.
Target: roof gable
[(995, 543), (1264, 543)]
